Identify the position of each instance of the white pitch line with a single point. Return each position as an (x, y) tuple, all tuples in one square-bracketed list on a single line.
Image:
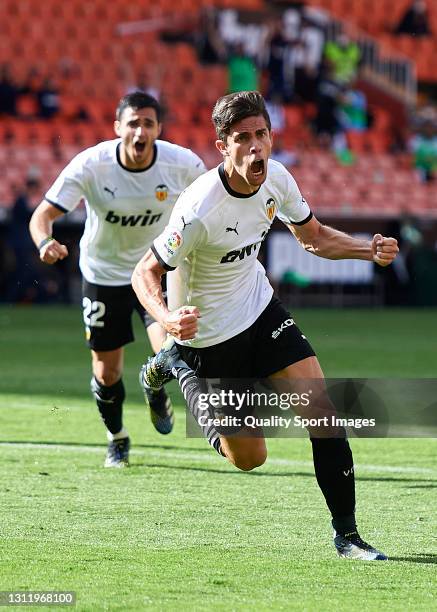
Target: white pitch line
[(211, 457)]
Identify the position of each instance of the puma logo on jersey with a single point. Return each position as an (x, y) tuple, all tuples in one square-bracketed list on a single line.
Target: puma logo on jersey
[(185, 224), (133, 220), (233, 229), (111, 191), (284, 325)]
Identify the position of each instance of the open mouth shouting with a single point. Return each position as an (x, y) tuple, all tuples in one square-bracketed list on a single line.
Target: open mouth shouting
[(257, 169), (139, 148)]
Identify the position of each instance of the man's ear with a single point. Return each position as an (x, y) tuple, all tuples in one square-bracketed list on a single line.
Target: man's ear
[(117, 127), (221, 146), (159, 129), (271, 137)]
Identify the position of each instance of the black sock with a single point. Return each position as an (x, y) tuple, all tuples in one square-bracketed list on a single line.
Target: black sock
[(191, 389), (333, 464), (110, 403)]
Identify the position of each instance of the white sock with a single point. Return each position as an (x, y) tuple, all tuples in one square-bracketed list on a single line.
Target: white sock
[(118, 436)]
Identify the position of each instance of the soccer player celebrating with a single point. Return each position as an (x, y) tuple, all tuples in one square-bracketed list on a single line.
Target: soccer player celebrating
[(222, 314), (129, 185)]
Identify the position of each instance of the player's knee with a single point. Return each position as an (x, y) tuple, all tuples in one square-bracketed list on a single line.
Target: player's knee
[(108, 380), (108, 376), (248, 461)]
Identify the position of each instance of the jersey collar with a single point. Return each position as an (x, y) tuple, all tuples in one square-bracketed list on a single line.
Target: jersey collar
[(155, 155), (235, 194)]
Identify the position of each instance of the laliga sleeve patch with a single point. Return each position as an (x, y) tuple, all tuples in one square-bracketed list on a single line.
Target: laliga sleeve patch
[(173, 240)]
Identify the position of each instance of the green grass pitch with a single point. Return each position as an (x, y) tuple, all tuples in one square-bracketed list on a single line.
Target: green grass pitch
[(181, 529)]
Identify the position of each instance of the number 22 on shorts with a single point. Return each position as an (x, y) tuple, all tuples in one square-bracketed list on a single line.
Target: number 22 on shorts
[(93, 312)]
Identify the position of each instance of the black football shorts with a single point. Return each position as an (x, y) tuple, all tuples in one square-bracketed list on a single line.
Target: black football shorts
[(270, 344), (107, 315)]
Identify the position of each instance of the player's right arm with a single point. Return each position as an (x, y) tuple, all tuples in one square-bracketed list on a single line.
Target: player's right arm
[(182, 235), (146, 282), (62, 197), (41, 229)]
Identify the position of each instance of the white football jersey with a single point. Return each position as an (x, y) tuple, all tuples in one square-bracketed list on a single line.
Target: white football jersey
[(213, 239), (126, 209)]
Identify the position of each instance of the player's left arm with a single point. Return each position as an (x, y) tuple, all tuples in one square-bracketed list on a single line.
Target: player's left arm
[(327, 242)]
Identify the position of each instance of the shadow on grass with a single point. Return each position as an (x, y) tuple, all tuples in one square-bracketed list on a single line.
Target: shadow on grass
[(146, 464), (424, 486), (101, 445), (429, 558)]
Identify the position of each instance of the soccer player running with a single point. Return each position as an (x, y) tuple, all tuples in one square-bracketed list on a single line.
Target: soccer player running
[(129, 185), (222, 312)]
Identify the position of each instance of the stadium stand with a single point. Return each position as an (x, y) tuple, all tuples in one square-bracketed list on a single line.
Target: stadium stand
[(95, 51), (379, 18)]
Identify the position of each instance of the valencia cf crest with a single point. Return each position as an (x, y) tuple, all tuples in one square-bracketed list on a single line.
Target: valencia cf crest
[(161, 192), (270, 208)]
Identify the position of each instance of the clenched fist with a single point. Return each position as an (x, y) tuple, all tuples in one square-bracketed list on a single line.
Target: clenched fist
[(384, 250), (182, 323), (52, 252)]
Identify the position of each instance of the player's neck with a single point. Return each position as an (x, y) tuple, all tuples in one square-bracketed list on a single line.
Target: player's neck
[(235, 181), (130, 163)]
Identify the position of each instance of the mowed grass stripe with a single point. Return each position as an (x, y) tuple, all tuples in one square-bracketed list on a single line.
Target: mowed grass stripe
[(209, 457)]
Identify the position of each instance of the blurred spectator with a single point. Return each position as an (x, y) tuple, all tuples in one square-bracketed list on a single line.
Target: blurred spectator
[(343, 58), (242, 71), (21, 285), (209, 44), (424, 148), (277, 49), (415, 20), (308, 57), (8, 91), (327, 125), (48, 99), (353, 111)]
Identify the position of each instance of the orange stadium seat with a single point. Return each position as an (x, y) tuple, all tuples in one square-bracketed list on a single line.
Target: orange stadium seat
[(356, 141), (294, 116), (377, 141)]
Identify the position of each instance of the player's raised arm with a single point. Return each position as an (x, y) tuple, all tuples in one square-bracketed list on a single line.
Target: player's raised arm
[(324, 241), (146, 282), (41, 229)]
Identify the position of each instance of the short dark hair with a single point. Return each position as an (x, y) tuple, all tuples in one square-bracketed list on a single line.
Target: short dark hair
[(137, 100), (237, 106)]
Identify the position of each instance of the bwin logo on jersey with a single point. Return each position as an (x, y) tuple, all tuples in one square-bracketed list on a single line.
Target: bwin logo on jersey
[(270, 208), (284, 325), (240, 254), (133, 220), (161, 192)]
